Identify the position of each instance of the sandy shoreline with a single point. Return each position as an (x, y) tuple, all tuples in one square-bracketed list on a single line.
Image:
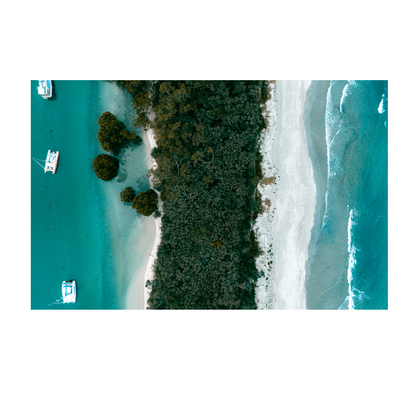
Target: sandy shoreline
[(158, 224), (284, 231), (137, 295)]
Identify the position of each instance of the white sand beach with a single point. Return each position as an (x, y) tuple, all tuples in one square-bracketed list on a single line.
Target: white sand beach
[(135, 292), (158, 224), (137, 295), (284, 230)]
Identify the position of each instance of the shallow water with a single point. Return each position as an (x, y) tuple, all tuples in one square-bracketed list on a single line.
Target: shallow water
[(79, 227)]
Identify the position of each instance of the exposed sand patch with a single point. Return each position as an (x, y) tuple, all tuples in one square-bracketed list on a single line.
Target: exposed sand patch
[(267, 181)]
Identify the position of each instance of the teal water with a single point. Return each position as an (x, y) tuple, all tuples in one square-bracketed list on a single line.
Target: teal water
[(79, 227), (349, 269)]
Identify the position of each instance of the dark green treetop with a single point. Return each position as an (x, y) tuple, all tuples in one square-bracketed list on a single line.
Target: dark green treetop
[(113, 135), (105, 167), (146, 202), (127, 195)]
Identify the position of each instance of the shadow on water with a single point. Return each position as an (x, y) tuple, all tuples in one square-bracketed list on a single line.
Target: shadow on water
[(54, 93)]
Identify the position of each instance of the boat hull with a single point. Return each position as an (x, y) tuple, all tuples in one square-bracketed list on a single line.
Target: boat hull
[(56, 164), (69, 291), (45, 89), (52, 159)]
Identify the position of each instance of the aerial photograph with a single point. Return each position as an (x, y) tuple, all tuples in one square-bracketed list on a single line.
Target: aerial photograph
[(205, 194)]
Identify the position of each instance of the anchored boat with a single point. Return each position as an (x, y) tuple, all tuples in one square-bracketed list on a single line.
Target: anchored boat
[(51, 161), (69, 293), (45, 89)]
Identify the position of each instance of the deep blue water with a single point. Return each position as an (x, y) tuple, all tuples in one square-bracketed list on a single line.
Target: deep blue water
[(77, 231), (349, 270)]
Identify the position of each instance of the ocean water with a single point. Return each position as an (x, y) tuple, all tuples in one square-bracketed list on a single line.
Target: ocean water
[(349, 267), (79, 227)]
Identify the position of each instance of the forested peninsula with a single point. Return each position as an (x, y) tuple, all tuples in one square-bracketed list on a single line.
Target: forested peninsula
[(208, 166)]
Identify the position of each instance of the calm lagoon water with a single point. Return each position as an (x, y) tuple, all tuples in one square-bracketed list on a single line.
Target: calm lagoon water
[(79, 227)]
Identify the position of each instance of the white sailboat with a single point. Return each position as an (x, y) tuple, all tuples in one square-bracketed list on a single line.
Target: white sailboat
[(51, 162), (69, 293), (45, 89)]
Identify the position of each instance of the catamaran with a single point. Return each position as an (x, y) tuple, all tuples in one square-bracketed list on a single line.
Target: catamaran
[(69, 293), (51, 162), (45, 89)]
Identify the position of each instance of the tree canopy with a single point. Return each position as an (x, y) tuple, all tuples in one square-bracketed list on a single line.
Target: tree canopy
[(127, 195), (146, 202), (105, 167), (113, 135), (208, 135), (143, 95)]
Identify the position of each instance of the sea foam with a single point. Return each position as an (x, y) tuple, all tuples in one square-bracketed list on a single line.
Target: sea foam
[(351, 262), (332, 121), (353, 293), (381, 109), (349, 267)]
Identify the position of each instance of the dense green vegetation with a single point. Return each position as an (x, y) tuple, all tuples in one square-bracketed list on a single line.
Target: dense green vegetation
[(141, 92), (113, 135), (105, 167), (209, 165), (146, 202), (127, 195)]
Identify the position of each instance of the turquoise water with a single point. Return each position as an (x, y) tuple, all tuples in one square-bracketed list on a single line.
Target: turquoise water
[(79, 227), (349, 269)]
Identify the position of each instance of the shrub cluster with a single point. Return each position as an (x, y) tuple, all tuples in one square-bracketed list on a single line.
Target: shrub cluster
[(145, 203), (105, 167), (113, 135), (128, 194)]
